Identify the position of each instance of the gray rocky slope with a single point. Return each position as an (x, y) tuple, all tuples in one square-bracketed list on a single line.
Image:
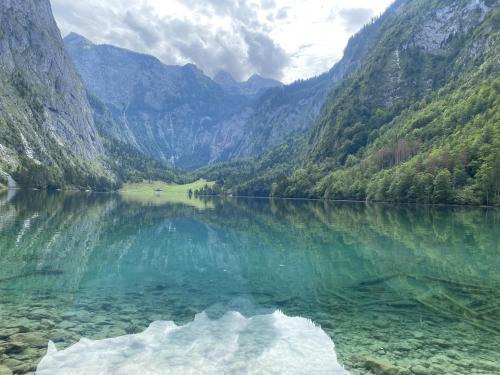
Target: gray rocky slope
[(46, 123)]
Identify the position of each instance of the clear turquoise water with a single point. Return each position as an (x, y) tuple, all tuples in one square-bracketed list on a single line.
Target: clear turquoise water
[(398, 289)]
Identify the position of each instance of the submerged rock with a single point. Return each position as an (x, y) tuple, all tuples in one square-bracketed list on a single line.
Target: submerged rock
[(47, 323), (38, 314), (29, 340), (12, 363), (13, 347), (381, 367)]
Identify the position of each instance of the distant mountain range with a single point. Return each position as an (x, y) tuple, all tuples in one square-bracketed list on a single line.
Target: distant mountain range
[(181, 117)]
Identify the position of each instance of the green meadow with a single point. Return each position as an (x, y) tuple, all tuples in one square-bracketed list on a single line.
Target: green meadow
[(159, 192)]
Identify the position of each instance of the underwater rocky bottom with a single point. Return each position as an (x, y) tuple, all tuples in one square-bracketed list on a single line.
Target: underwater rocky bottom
[(317, 288), (379, 334)]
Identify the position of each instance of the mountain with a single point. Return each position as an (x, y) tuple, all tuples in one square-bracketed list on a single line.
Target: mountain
[(417, 121), (409, 114), (47, 133), (181, 117), (253, 86), (287, 113), (428, 45), (168, 112)]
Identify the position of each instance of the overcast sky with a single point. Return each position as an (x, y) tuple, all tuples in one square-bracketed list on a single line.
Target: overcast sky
[(282, 39)]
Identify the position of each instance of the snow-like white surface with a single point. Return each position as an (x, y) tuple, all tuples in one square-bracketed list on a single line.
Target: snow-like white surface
[(233, 344)]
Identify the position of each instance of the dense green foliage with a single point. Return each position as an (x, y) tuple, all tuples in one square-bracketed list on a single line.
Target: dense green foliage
[(253, 176), (445, 151), (81, 175), (131, 165)]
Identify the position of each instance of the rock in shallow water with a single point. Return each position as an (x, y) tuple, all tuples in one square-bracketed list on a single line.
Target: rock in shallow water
[(263, 344), (4, 370), (38, 314), (11, 347), (47, 323), (12, 363), (381, 367), (29, 340), (5, 333)]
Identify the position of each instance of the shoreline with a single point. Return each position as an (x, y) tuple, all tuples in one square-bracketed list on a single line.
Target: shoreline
[(119, 191)]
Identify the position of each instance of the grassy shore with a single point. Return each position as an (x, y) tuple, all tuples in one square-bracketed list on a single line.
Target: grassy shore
[(158, 192)]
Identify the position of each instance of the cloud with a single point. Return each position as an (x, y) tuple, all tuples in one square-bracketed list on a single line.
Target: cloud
[(265, 55), (354, 18), (216, 35), (149, 36), (282, 13), (241, 36)]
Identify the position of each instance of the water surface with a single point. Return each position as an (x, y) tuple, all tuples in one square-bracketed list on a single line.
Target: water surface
[(396, 289)]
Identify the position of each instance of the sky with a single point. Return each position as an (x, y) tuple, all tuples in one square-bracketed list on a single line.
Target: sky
[(281, 39)]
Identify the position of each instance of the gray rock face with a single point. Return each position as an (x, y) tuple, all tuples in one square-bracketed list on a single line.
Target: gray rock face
[(446, 21), (44, 112), (31, 43)]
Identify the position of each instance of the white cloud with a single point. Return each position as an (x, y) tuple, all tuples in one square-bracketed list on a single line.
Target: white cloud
[(283, 39)]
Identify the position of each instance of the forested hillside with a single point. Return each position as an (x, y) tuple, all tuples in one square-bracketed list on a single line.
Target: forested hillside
[(419, 121)]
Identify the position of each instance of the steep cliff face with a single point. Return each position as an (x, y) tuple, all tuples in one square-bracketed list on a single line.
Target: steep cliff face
[(46, 124)]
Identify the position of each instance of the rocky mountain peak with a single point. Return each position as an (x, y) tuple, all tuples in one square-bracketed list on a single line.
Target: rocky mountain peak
[(256, 83), (74, 38), (225, 78), (192, 68)]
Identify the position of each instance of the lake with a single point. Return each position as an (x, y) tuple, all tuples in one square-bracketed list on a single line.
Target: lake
[(246, 286)]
